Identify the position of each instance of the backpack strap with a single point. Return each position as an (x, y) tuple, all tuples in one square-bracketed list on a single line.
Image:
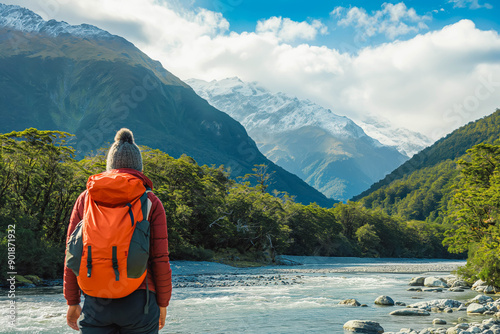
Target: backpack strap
[(145, 204), (146, 207)]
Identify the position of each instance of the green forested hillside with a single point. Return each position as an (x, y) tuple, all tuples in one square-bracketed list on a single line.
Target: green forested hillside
[(421, 195), (424, 191), (450, 147)]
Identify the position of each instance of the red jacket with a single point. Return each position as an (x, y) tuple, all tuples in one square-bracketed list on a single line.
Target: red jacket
[(159, 272)]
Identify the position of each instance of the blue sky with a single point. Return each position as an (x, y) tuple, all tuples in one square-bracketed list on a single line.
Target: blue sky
[(427, 66), (243, 15)]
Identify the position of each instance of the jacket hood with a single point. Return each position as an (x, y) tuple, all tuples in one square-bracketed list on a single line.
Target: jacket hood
[(117, 186)]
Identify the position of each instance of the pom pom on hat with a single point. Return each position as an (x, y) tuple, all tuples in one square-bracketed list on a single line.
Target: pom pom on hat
[(124, 135), (124, 153)]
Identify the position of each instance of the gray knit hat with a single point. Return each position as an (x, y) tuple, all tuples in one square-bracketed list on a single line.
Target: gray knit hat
[(124, 153)]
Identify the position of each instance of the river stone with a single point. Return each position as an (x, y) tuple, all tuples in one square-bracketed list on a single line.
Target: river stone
[(476, 308), (349, 302), (444, 303), (432, 290), (460, 284), (481, 299), (417, 281), (412, 312), (363, 326), (384, 300), (435, 282), (489, 322), (489, 289), (479, 285), (475, 330), (438, 321)]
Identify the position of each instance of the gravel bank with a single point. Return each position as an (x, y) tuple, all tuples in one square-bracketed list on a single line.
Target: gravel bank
[(210, 274)]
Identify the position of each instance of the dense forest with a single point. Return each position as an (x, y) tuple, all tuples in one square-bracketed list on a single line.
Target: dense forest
[(210, 216)]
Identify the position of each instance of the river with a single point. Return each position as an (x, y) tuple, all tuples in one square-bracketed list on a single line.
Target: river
[(214, 298)]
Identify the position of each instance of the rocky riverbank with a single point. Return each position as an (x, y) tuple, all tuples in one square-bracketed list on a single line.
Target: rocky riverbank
[(471, 314)]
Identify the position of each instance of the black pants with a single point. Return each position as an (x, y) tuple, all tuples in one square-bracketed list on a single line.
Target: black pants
[(120, 316)]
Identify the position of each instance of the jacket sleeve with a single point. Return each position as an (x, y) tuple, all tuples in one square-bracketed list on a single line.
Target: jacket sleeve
[(160, 264), (71, 290)]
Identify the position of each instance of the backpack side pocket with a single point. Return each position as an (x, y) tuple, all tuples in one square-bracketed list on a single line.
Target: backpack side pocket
[(74, 249), (138, 254)]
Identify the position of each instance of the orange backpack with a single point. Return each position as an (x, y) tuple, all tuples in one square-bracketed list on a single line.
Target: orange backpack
[(109, 249)]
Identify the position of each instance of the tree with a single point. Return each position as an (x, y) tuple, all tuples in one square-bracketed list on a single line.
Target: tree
[(475, 209), (368, 240), (261, 175)]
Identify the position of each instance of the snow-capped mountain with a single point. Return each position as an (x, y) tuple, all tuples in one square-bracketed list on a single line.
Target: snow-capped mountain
[(328, 151), (24, 20), (275, 112), (406, 141)]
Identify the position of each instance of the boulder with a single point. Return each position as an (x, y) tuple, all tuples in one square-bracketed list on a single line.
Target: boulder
[(349, 302), (489, 289), (363, 326), (410, 312), (417, 281), (443, 303), (384, 300), (438, 321), (481, 299), (489, 322), (475, 330), (476, 308), (432, 290), (435, 282), (479, 285), (460, 284)]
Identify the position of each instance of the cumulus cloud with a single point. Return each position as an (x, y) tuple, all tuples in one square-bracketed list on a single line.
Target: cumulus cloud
[(471, 4), (287, 30), (392, 20), (432, 83)]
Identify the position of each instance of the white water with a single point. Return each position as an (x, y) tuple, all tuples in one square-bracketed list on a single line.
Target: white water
[(271, 300)]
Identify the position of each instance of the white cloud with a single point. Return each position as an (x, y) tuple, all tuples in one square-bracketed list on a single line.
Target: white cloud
[(431, 83), (393, 20), (471, 4), (287, 30)]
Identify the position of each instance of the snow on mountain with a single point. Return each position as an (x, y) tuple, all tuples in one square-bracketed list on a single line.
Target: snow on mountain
[(257, 108), (22, 19), (406, 141), (330, 152)]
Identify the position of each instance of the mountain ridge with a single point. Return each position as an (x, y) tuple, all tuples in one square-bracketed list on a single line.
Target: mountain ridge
[(91, 87)]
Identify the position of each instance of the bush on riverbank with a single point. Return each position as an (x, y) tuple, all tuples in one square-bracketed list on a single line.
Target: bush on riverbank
[(207, 212)]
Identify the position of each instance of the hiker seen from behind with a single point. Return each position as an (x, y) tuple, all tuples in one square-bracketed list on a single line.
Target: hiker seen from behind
[(117, 249)]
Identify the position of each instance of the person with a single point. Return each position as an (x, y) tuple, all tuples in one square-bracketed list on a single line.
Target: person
[(125, 315)]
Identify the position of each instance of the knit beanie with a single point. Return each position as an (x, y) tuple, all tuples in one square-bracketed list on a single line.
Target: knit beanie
[(124, 153)]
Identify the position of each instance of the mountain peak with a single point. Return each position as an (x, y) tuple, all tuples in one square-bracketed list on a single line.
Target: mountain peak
[(256, 107), (22, 19)]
